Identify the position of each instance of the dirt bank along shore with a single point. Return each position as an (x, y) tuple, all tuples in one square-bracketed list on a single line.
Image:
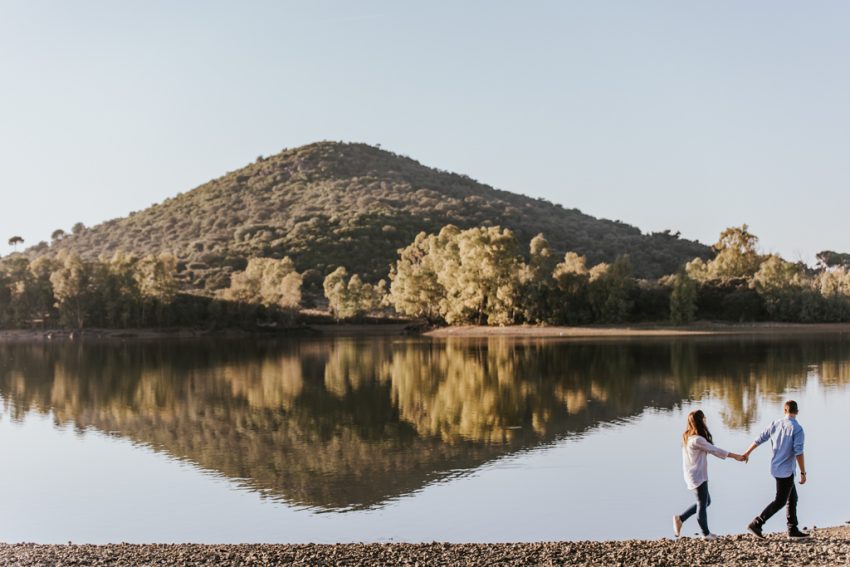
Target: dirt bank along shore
[(643, 330), (828, 547), (411, 328)]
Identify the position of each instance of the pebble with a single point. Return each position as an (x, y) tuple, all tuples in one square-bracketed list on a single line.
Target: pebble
[(827, 547)]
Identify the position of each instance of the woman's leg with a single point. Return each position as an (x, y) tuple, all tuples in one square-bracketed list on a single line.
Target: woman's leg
[(703, 502), (688, 513), (694, 508)]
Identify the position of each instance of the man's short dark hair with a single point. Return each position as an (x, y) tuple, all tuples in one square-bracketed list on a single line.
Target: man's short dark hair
[(791, 406)]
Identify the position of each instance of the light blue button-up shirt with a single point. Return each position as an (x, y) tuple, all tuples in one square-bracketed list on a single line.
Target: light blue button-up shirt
[(786, 438)]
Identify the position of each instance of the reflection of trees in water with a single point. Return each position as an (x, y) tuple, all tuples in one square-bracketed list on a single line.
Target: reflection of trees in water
[(351, 423), (743, 372), (495, 390)]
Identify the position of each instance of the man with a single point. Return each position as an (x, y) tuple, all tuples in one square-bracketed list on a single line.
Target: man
[(786, 438)]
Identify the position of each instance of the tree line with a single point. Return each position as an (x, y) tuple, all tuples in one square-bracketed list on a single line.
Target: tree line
[(477, 276)]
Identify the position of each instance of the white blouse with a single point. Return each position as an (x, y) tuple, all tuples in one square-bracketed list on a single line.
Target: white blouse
[(694, 459)]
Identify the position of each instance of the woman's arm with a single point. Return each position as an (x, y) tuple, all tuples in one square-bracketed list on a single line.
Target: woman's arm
[(704, 445)]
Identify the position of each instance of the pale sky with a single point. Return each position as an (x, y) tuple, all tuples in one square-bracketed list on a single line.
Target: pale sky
[(692, 116)]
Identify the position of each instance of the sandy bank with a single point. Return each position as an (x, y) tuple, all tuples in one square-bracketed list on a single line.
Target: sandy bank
[(644, 330), (410, 328), (829, 547)]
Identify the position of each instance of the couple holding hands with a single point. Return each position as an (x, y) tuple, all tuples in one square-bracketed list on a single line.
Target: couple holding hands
[(786, 439)]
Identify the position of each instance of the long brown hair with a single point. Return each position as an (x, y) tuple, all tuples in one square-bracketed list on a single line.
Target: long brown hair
[(696, 426)]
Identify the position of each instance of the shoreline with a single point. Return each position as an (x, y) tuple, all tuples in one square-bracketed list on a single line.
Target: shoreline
[(826, 547), (700, 329), (412, 328)]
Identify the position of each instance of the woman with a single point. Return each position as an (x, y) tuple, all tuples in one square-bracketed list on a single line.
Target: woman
[(696, 445)]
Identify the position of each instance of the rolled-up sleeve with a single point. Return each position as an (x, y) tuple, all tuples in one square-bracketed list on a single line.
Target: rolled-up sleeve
[(704, 445), (765, 435), (799, 440)]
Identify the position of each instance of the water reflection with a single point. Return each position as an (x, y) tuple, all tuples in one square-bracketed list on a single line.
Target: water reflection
[(343, 424)]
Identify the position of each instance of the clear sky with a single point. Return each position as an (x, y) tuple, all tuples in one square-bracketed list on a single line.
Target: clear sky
[(692, 116)]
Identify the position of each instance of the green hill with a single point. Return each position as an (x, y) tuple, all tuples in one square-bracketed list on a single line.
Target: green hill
[(328, 204)]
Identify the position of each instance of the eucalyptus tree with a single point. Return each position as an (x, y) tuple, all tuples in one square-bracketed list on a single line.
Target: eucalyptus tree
[(268, 282), (736, 257), (157, 281), (683, 298), (73, 287), (15, 241), (610, 291), (570, 302), (780, 284), (537, 282), (480, 273), (120, 296), (350, 297), (415, 290)]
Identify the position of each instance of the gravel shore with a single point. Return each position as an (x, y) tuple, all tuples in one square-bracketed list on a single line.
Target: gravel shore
[(828, 547)]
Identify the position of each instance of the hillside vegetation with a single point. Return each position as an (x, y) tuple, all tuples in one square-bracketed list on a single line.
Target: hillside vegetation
[(330, 204), (352, 228)]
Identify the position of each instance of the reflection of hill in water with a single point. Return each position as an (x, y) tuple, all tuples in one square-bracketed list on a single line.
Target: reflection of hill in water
[(339, 424)]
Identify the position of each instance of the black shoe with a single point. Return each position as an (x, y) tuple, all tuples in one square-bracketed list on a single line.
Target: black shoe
[(755, 529), (794, 532)]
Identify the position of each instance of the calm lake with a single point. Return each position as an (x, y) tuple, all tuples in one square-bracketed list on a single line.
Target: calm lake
[(404, 439)]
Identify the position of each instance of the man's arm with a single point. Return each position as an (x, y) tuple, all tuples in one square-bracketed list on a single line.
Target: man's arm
[(765, 435), (799, 441)]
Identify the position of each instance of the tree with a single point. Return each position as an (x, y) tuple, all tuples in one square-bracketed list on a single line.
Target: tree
[(365, 297), (736, 257), (22, 304), (610, 291), (74, 290), (780, 284), (336, 292), (268, 282), (118, 290), (78, 228), (479, 270), (683, 299), (15, 240), (156, 278), (570, 302), (5, 300), (57, 235), (833, 287), (415, 289), (536, 282), (354, 297)]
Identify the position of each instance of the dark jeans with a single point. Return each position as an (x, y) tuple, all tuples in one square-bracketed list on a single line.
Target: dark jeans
[(703, 502), (786, 495)]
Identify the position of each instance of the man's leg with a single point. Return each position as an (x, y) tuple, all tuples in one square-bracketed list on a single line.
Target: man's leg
[(784, 486), (791, 508)]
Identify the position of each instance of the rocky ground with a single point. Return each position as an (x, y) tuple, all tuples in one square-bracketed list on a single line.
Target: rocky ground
[(829, 547)]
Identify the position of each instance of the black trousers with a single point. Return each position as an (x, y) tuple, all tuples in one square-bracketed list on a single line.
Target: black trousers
[(786, 495)]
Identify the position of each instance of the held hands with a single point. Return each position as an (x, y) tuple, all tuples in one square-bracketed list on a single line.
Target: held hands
[(740, 458)]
